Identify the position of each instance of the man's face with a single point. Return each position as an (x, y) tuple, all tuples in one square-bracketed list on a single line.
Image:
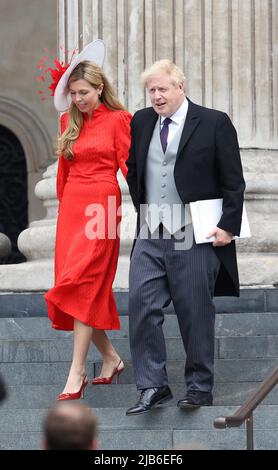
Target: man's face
[(165, 97)]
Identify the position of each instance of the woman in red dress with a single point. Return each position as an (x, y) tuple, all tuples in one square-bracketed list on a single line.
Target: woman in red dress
[(94, 144)]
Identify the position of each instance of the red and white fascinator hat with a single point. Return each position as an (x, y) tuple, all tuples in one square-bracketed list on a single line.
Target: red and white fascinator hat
[(94, 52)]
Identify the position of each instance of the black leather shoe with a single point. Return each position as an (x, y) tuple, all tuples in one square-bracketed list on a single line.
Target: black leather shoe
[(149, 398), (194, 399)]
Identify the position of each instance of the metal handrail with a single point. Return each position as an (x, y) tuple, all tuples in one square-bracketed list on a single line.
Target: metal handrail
[(245, 412)]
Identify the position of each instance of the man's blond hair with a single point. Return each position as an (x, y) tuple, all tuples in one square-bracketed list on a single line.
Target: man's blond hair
[(176, 74)]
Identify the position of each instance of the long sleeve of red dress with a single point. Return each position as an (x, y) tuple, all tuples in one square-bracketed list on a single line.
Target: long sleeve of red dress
[(123, 141), (63, 164)]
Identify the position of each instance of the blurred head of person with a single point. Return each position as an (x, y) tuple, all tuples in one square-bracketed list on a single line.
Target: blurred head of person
[(70, 426)]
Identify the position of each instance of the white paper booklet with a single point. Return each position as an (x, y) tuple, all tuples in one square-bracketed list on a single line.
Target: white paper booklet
[(206, 215)]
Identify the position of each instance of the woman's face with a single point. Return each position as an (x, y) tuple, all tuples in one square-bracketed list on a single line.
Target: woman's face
[(84, 95)]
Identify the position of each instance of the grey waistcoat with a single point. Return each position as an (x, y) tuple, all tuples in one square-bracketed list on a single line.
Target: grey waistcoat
[(164, 203)]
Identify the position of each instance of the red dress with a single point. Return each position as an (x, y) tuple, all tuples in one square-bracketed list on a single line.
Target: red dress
[(85, 266)]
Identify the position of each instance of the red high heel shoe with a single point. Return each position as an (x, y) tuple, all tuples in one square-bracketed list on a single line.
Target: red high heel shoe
[(76, 395), (108, 380)]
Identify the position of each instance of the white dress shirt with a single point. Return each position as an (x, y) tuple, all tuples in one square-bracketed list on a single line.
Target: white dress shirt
[(178, 119)]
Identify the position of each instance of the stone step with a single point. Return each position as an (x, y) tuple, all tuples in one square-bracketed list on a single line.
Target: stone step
[(123, 395), (231, 439), (32, 304), (35, 360), (163, 428), (51, 373), (161, 417), (60, 349), (261, 347), (234, 324)]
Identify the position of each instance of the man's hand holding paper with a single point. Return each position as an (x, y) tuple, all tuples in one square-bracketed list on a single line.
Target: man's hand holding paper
[(221, 237)]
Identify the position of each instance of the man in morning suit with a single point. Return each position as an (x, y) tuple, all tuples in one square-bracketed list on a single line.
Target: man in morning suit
[(180, 153)]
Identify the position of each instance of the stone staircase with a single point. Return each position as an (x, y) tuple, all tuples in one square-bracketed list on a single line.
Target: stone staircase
[(35, 361)]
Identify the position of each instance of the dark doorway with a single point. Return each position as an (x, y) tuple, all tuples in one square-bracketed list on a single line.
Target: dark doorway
[(13, 192)]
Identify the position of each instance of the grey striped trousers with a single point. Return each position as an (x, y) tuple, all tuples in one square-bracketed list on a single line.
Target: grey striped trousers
[(158, 274)]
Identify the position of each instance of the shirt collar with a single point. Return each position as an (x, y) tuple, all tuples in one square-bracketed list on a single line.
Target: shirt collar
[(179, 115)]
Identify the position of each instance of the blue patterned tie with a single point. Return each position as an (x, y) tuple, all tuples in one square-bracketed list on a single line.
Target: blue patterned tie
[(164, 133)]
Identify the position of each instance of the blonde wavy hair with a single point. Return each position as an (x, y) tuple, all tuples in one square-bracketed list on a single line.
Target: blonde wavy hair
[(94, 75)]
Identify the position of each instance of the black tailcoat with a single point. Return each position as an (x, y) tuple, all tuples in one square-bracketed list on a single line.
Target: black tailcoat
[(208, 166)]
